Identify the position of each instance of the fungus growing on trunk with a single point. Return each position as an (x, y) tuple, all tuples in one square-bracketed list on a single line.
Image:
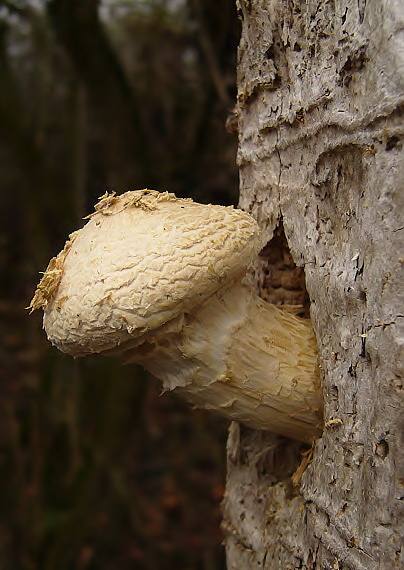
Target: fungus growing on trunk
[(159, 280)]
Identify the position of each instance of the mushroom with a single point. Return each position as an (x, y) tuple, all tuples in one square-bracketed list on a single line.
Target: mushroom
[(159, 279)]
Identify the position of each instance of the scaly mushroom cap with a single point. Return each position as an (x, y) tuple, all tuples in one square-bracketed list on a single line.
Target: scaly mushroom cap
[(143, 259)]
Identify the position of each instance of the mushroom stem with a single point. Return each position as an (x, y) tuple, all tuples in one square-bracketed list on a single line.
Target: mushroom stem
[(243, 358)]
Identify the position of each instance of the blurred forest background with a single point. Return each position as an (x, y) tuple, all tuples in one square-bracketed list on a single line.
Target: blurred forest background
[(97, 471)]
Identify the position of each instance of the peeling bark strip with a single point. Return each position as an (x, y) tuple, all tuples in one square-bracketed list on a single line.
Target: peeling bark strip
[(320, 146)]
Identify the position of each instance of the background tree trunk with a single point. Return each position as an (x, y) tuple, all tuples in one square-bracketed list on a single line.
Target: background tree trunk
[(320, 107)]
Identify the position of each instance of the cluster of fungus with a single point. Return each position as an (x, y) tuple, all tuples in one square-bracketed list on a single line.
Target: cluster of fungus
[(159, 280)]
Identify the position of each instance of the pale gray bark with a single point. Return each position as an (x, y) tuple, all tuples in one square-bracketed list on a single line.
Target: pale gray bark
[(321, 128)]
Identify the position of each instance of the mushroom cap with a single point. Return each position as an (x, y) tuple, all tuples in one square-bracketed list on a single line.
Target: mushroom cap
[(143, 259)]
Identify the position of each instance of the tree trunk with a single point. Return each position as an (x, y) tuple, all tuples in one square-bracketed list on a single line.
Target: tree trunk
[(320, 110)]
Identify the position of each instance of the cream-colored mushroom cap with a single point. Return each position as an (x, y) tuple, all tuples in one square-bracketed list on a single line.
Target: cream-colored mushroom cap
[(142, 259)]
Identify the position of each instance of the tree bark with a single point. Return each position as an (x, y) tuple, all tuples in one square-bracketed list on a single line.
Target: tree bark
[(320, 107)]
